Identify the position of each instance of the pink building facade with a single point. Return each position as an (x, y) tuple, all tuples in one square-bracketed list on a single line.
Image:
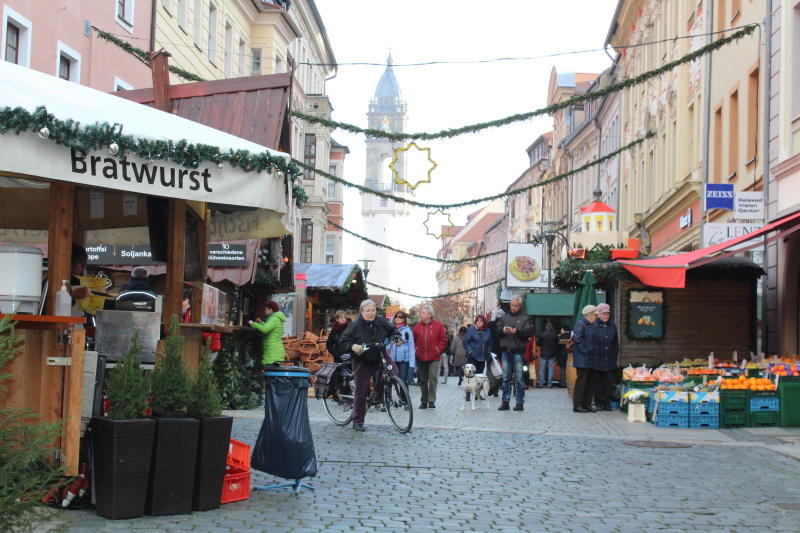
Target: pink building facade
[(56, 37)]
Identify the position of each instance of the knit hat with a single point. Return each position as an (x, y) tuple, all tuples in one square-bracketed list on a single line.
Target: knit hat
[(589, 310), (603, 308)]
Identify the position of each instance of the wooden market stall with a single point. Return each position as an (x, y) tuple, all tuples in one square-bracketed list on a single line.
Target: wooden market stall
[(134, 170)]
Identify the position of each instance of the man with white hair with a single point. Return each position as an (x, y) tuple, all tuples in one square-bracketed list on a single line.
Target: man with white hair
[(514, 329), (430, 340)]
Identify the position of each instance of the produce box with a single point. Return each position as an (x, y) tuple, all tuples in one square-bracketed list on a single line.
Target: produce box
[(704, 421), (669, 396), (703, 409), (789, 394), (765, 403), (628, 384), (671, 420), (764, 419), (672, 408), (755, 373), (704, 397), (734, 420)]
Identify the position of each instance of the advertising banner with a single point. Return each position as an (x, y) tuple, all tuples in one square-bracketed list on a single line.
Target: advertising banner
[(524, 265), (646, 314), (749, 205), (718, 196), (717, 232)]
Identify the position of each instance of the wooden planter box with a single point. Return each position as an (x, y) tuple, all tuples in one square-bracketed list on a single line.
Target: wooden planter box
[(122, 457), (212, 452)]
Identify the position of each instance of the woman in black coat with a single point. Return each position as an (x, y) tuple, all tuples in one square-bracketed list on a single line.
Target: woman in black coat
[(584, 359), (607, 343)]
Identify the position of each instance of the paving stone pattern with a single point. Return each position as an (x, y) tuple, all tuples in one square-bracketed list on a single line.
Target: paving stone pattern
[(462, 471)]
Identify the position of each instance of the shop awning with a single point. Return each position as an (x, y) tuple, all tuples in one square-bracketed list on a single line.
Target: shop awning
[(670, 270), (552, 304), (29, 155), (331, 277)]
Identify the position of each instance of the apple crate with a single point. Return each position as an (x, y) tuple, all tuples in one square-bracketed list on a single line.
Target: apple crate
[(704, 421), (765, 403), (698, 409), (672, 408), (672, 420)]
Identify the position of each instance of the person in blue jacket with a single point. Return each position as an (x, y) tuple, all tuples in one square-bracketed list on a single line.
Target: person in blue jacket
[(400, 347), (478, 344), (584, 359)]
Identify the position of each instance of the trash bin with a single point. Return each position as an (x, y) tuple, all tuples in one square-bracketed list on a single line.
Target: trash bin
[(285, 447)]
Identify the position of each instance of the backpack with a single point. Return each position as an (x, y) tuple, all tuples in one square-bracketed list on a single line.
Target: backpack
[(322, 379)]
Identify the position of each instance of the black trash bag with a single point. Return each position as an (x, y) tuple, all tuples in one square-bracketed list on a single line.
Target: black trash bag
[(285, 447)]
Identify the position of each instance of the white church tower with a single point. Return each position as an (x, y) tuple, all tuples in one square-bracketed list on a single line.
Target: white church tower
[(384, 220)]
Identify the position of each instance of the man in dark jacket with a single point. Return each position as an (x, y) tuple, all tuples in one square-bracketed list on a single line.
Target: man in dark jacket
[(607, 350), (562, 355), (514, 329), (548, 344), (584, 359)]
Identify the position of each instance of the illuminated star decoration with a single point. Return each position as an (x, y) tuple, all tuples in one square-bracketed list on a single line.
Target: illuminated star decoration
[(454, 275), (428, 229), (396, 175)]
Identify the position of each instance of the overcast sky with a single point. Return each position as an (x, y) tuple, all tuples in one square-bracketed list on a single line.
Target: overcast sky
[(446, 96)]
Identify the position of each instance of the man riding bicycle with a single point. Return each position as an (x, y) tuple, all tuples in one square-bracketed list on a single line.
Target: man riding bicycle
[(368, 331)]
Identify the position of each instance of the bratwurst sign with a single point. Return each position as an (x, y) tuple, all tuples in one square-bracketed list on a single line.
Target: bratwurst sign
[(27, 154)]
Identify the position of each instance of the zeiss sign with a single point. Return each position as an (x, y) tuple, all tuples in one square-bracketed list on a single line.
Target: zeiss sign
[(718, 196)]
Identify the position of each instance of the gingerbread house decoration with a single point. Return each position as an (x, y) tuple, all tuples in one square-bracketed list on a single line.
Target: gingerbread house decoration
[(598, 217)]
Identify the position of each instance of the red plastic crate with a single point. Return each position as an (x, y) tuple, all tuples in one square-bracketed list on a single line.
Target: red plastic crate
[(236, 486), (239, 455)]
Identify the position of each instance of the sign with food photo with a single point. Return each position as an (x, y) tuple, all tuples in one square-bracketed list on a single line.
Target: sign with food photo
[(646, 314), (524, 265)]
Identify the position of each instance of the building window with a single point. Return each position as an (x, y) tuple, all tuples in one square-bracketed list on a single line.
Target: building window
[(306, 241), (255, 64), (198, 23), (242, 48), (16, 38), (736, 9), (310, 153), (752, 116), (228, 48), (121, 85), (794, 88), (717, 155), (733, 135), (278, 64), (124, 14), (180, 8), (212, 32), (331, 194), (68, 63), (330, 249)]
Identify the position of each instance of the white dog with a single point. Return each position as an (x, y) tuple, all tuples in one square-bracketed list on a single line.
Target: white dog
[(473, 384)]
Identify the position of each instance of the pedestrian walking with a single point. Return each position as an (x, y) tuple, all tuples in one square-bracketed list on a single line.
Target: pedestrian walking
[(548, 345), (478, 344), (459, 354), (514, 330), (430, 340), (608, 349), (562, 355), (369, 328), (401, 347), (584, 359), (338, 325), (272, 331)]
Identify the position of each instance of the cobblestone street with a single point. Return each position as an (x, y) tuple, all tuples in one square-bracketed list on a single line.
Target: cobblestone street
[(545, 469)]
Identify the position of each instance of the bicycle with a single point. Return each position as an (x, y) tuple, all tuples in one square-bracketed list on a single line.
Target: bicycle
[(338, 402)]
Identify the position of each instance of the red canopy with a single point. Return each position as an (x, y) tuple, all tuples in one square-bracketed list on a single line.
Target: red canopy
[(670, 270)]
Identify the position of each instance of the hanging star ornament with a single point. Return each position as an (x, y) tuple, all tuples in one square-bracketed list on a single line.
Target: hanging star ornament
[(396, 174), (454, 275), (428, 228)]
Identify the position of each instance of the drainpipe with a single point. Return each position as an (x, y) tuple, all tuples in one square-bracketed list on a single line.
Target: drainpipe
[(153, 10), (765, 154), (707, 122)]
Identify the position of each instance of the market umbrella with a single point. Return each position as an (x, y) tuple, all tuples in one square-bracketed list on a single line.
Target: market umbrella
[(586, 295)]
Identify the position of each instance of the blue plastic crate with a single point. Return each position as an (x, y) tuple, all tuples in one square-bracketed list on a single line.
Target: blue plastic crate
[(651, 402), (765, 403), (704, 421), (697, 409), (674, 421), (673, 408)]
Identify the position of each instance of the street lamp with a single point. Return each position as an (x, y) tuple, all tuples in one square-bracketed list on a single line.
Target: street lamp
[(549, 232), (365, 270)]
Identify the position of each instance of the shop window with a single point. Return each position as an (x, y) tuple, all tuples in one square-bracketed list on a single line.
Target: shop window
[(68, 63), (16, 38), (124, 14), (306, 241), (255, 61), (310, 154)]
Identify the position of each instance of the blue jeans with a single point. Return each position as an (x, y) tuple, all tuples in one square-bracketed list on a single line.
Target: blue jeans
[(512, 363), (405, 372), (546, 365)]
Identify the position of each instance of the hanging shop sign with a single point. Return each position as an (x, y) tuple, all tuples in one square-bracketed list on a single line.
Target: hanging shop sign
[(686, 219), (718, 196), (717, 232), (748, 205), (645, 314), (227, 255), (524, 265), (219, 255)]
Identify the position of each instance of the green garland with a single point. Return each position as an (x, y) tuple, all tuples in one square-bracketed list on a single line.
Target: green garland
[(143, 55), (456, 293), (507, 194), (102, 134), (519, 117), (412, 254)]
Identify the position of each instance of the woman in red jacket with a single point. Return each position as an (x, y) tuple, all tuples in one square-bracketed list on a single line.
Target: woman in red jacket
[(430, 340)]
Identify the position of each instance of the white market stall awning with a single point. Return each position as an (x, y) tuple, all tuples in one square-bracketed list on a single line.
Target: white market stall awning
[(30, 155), (329, 276)]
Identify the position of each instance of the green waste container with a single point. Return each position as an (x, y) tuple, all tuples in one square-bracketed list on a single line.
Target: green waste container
[(790, 404)]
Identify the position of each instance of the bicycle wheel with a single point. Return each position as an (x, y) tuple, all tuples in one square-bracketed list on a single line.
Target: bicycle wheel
[(398, 404), (338, 402)]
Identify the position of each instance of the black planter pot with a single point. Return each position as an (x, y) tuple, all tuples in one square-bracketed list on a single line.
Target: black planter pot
[(212, 453), (122, 456), (172, 470)]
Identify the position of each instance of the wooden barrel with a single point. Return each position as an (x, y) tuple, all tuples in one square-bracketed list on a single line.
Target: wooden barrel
[(572, 375)]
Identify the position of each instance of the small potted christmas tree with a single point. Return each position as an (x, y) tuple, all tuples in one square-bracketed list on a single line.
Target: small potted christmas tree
[(215, 432), (174, 451), (123, 442)]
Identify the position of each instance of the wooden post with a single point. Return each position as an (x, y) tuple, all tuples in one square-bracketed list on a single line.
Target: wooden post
[(159, 68), (73, 397), (59, 240), (176, 248)]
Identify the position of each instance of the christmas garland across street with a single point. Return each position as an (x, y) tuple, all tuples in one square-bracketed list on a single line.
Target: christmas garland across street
[(519, 117), (507, 194), (456, 293)]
